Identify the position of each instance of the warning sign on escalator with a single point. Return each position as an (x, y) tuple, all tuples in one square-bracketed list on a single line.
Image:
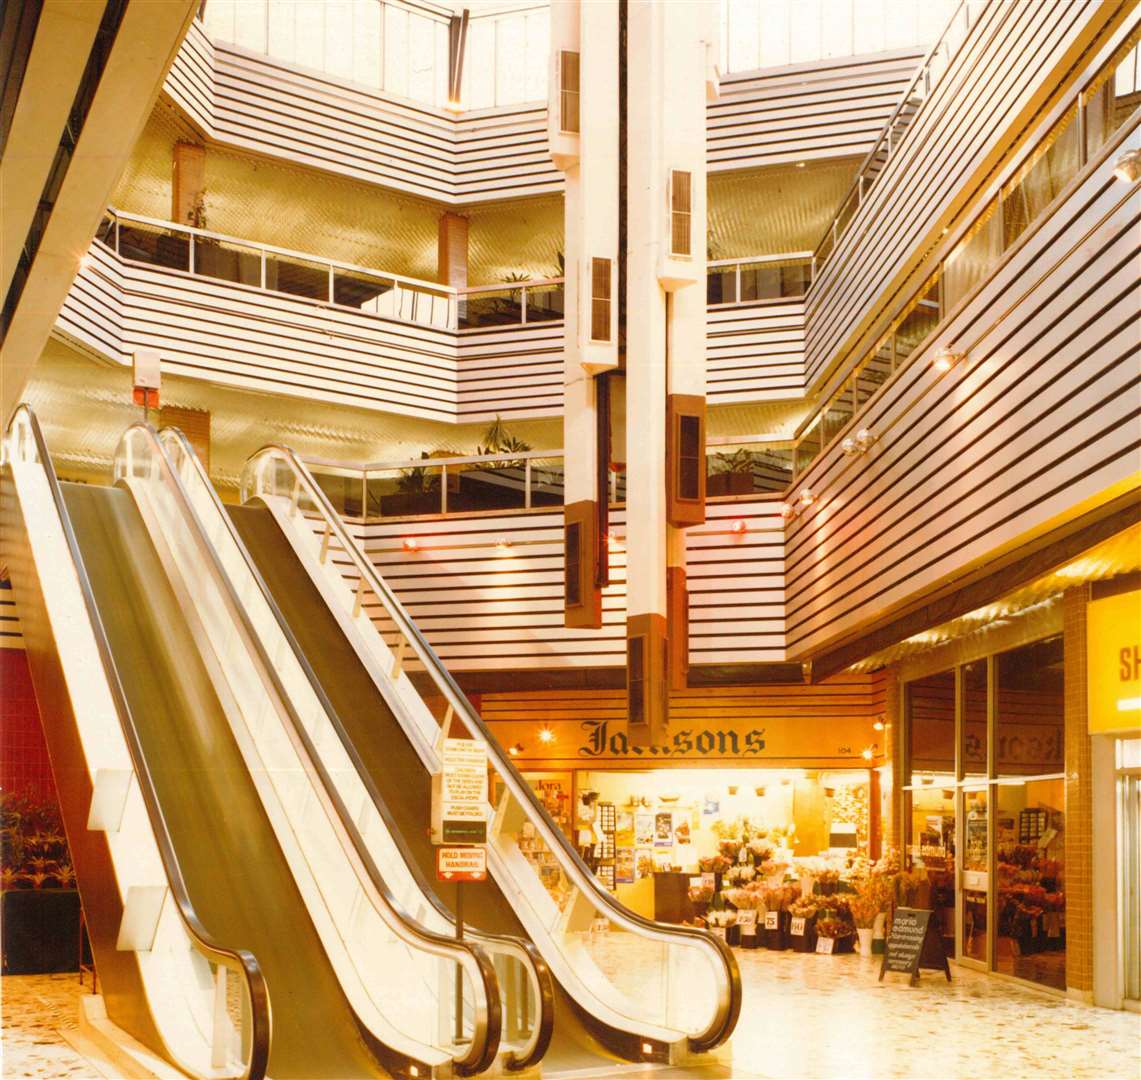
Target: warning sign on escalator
[(461, 863), (459, 794)]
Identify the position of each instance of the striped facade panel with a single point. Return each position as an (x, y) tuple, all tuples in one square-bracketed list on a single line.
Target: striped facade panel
[(755, 352), (255, 103), (828, 109), (511, 372), (834, 108), (1042, 418), (484, 604), (245, 337), (1014, 55)]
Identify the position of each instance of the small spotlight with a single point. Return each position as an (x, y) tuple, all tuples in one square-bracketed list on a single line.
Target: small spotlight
[(945, 359), (546, 735), (878, 725), (866, 753), (1128, 166), (849, 447), (787, 511), (807, 498), (738, 526), (515, 750), (864, 439), (411, 543), (503, 543)]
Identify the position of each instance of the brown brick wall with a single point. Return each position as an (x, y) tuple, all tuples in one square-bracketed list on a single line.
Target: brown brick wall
[(1079, 799)]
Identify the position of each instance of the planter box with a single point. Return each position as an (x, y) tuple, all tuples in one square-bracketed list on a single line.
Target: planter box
[(40, 931)]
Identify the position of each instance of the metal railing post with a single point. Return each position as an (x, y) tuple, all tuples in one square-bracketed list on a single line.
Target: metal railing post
[(263, 268), (191, 253), (443, 489), (330, 283), (737, 285), (364, 495), (523, 304), (527, 484)]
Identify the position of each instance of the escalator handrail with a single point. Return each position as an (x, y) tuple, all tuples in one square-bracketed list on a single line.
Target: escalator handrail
[(523, 949), (260, 1011), (729, 989), (487, 1021)]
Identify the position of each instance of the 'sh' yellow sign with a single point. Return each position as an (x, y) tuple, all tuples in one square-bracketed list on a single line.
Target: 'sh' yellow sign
[(1114, 637)]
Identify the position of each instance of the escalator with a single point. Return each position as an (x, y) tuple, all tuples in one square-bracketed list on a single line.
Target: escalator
[(202, 837), (390, 758), (643, 992), (240, 883)]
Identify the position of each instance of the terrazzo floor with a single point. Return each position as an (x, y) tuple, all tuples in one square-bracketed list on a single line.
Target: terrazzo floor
[(804, 1016)]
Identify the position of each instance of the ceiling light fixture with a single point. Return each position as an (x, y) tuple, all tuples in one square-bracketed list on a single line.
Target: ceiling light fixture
[(503, 543), (546, 735), (1128, 166), (945, 359), (878, 725), (738, 526), (807, 498), (866, 753), (410, 543), (516, 750), (787, 511), (859, 443)]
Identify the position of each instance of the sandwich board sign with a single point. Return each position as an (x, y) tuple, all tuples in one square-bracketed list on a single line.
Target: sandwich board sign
[(914, 942), (459, 794)]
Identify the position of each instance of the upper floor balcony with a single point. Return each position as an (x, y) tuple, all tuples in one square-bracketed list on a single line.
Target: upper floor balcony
[(221, 308)]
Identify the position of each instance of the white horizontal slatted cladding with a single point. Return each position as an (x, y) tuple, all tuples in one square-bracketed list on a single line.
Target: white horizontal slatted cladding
[(504, 155), (92, 312), (755, 352), (267, 106), (827, 109), (511, 372), (1040, 419), (1010, 58), (242, 336), (482, 606), (736, 583)]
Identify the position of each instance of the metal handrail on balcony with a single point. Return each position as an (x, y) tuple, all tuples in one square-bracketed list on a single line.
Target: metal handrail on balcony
[(924, 81), (221, 256), (526, 480), (757, 278)]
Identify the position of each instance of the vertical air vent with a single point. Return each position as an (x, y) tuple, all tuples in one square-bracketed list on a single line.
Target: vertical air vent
[(685, 459), (689, 457), (600, 274), (573, 564), (681, 212), (568, 92), (636, 679)]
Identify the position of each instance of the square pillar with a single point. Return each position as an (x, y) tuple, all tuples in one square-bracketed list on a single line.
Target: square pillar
[(188, 185), (1079, 797), (451, 251)]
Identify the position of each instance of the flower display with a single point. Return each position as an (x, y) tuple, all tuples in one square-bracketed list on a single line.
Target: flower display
[(740, 875)]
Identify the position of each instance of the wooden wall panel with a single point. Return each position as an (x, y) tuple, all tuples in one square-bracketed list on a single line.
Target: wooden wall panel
[(1011, 59), (1041, 419)]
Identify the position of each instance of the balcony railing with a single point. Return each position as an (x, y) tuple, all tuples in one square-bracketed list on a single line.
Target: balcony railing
[(525, 480), (930, 73), (758, 277), (220, 257), (1101, 105)]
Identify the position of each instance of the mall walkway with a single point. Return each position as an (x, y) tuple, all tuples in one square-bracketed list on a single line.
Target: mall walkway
[(803, 1016)]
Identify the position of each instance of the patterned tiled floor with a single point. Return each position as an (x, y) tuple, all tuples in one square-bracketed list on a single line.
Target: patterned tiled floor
[(803, 1016)]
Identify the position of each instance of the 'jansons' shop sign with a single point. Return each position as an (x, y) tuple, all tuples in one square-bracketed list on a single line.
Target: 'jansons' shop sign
[(602, 741)]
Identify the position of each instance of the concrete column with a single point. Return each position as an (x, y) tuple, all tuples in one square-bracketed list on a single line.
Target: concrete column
[(451, 251), (188, 184)]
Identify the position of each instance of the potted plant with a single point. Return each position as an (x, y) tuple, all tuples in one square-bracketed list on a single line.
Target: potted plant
[(802, 924), (731, 474), (38, 897)]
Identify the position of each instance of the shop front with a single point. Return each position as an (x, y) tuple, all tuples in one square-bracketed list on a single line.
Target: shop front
[(732, 818), (984, 808)]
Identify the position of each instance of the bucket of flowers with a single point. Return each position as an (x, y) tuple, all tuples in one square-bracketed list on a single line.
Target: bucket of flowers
[(839, 931), (865, 906), (802, 923), (749, 902), (777, 919), (700, 896), (723, 923)]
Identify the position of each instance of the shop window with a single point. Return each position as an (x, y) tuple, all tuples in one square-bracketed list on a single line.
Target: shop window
[(931, 730), (1030, 897), (976, 874), (1029, 710), (973, 737), (918, 323), (1113, 96), (1041, 179)]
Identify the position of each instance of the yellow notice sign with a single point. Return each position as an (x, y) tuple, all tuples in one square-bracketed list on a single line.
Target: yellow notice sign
[(1114, 641)]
